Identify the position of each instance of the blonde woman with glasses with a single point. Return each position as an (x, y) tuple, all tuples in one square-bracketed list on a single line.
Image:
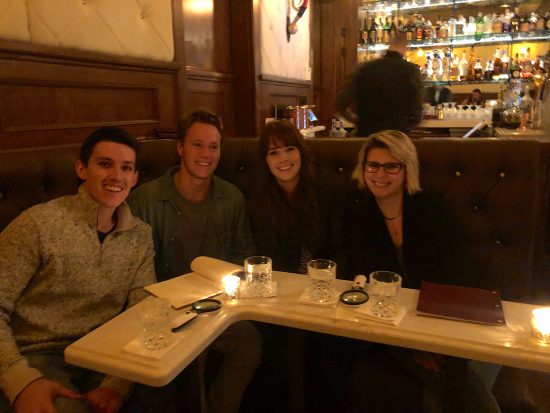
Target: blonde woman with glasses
[(394, 225)]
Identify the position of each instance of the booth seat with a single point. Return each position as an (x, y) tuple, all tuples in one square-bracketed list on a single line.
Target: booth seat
[(499, 190)]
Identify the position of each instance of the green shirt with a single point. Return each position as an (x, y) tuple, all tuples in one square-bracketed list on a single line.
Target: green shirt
[(216, 227)]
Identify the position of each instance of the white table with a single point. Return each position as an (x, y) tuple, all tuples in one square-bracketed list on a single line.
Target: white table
[(511, 345)]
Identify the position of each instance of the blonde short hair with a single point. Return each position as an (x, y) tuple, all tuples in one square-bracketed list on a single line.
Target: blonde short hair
[(401, 147)]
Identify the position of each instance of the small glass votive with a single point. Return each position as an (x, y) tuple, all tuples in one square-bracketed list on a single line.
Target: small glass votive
[(231, 287), (540, 325)]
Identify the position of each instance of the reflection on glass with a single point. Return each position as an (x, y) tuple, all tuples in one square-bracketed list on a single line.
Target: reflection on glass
[(199, 32)]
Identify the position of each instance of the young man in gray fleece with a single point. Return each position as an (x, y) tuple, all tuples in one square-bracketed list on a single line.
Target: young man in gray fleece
[(66, 267)]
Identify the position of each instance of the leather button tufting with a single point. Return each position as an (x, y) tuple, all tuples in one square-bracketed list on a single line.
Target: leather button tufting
[(502, 175), (458, 174), (498, 242), (340, 169), (242, 168), (84, 2), (476, 208)]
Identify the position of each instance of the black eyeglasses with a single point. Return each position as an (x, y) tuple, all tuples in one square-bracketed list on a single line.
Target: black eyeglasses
[(389, 167)]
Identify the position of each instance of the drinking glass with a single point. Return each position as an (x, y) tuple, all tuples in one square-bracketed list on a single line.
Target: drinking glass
[(321, 274), (154, 323), (384, 289), (258, 276)]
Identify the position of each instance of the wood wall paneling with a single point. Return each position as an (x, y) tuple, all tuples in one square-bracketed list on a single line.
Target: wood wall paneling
[(281, 91), (53, 96), (334, 45), (214, 92)]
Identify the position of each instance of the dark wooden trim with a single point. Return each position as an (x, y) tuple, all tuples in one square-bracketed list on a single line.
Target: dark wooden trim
[(285, 80), (179, 57), (203, 74), (15, 50), (245, 64)]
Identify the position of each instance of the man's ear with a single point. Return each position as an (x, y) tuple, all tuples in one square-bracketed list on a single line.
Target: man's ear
[(179, 148), (136, 179), (81, 170)]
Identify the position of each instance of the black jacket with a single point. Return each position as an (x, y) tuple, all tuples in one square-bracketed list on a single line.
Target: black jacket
[(388, 94), (433, 245)]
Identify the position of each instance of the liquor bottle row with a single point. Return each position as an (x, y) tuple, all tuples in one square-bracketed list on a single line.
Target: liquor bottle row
[(419, 29), (444, 65)]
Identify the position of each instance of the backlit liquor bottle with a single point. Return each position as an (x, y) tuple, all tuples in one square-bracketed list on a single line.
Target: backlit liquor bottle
[(479, 26), (364, 39), (386, 33), (460, 24), (471, 64), (372, 31), (524, 24), (505, 60), (489, 67), (497, 24), (506, 21), (429, 68), (437, 28), (515, 69), (452, 27), (478, 69), (393, 28), (380, 31), (463, 67), (488, 24), (515, 21), (410, 31), (444, 30), (497, 64), (454, 69), (428, 31), (539, 25), (419, 29)]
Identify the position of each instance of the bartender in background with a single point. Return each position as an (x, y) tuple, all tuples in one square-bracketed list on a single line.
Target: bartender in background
[(474, 99), (434, 95), (385, 93)]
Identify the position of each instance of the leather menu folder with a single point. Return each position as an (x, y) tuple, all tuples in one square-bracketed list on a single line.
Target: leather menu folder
[(454, 302)]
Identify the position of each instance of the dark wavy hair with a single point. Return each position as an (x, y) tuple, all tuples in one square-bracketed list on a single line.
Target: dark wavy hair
[(269, 204)]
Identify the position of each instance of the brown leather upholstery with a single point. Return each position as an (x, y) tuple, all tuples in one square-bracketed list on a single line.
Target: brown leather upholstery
[(499, 189)]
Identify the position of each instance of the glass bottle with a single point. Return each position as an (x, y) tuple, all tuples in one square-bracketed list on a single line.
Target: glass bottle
[(372, 31), (497, 64), (479, 26), (364, 39), (478, 69), (504, 74), (463, 67)]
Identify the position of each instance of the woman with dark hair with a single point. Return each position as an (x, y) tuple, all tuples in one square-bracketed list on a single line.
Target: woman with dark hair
[(292, 222), (287, 210)]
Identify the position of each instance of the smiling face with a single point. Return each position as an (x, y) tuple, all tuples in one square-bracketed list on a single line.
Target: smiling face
[(110, 173), (200, 151), (382, 184), (284, 162)]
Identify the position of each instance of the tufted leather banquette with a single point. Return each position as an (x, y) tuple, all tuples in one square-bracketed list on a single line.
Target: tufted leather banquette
[(499, 189)]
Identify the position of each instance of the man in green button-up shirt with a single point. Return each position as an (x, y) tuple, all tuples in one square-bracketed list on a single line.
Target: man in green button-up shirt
[(193, 213)]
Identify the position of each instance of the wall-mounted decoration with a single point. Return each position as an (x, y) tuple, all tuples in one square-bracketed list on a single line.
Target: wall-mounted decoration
[(300, 7)]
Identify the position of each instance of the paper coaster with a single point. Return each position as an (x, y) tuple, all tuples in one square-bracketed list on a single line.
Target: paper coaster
[(364, 311), (305, 299), (135, 347)]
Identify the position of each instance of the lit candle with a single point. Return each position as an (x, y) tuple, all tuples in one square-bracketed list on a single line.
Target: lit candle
[(231, 285), (540, 323)]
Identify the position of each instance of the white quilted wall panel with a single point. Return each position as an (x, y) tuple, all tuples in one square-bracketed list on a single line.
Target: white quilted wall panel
[(13, 20), (279, 57), (138, 28)]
